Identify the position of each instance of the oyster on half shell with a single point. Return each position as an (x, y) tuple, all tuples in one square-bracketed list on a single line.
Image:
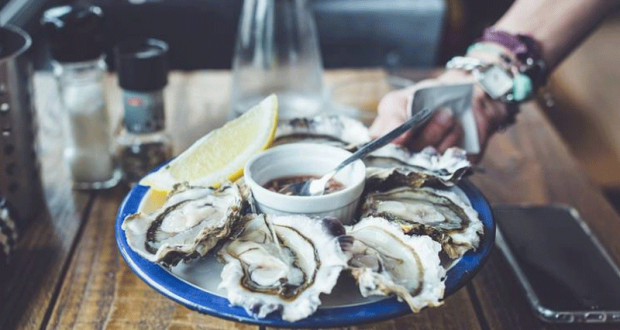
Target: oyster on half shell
[(282, 263), (441, 214), (336, 130), (385, 261), (188, 225), (427, 167)]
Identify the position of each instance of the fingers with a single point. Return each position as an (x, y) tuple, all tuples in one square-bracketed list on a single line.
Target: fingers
[(488, 114), (442, 131), (453, 138), (442, 125), (391, 112)]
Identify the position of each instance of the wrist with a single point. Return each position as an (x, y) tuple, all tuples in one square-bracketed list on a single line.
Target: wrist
[(500, 81), (491, 52), (456, 75)]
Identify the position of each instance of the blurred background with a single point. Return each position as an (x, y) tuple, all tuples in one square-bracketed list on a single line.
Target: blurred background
[(390, 34), (352, 33)]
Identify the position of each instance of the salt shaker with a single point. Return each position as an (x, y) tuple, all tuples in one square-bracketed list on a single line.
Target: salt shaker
[(77, 49), (142, 74)]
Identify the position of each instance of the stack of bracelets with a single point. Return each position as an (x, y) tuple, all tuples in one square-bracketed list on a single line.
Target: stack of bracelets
[(517, 74)]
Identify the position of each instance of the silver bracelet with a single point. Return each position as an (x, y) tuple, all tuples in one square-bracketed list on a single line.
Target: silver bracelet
[(498, 81)]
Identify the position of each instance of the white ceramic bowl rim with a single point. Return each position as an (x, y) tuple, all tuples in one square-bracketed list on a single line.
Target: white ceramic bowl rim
[(297, 147)]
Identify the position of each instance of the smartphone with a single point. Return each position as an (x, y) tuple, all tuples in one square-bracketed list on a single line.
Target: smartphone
[(567, 275)]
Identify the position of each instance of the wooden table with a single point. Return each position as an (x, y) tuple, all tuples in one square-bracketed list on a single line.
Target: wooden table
[(68, 274)]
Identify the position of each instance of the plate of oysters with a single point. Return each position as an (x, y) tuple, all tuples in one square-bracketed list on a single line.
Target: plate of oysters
[(419, 232)]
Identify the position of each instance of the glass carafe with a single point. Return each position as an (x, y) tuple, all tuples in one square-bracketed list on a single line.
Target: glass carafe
[(277, 51)]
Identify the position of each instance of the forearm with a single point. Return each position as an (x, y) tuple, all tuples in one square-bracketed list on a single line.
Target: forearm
[(559, 25)]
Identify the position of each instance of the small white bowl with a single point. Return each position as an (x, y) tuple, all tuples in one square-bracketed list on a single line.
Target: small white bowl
[(305, 159)]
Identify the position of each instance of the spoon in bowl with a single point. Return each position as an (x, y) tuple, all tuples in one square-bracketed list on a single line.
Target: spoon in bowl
[(316, 187)]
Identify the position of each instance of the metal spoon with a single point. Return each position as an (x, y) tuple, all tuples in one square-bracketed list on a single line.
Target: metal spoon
[(316, 187)]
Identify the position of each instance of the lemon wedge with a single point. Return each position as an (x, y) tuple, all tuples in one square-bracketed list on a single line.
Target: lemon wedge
[(221, 154)]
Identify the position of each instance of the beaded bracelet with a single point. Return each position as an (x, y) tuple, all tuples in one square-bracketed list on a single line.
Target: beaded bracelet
[(526, 49)]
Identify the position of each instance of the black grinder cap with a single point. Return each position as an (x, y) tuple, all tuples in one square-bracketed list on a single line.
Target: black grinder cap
[(142, 65), (75, 32)]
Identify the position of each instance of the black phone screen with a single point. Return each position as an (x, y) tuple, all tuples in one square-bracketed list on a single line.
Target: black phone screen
[(563, 265)]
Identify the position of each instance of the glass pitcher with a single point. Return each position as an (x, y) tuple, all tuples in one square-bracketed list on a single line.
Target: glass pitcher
[(277, 51)]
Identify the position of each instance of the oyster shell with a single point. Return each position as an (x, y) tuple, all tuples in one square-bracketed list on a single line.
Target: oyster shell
[(427, 167), (336, 130), (248, 205), (377, 179), (449, 167), (188, 225), (440, 214), (388, 156), (385, 261), (282, 263)]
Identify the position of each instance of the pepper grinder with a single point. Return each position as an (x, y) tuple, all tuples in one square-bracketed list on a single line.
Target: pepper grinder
[(76, 35), (142, 74)]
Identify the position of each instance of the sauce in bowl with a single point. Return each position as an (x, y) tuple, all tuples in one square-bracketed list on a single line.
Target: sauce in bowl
[(278, 184)]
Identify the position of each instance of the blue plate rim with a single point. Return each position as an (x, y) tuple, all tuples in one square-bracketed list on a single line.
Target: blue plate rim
[(204, 302)]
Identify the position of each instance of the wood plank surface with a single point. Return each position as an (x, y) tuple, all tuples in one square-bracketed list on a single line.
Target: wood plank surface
[(101, 292), (456, 313), (527, 164), (33, 277), (530, 164)]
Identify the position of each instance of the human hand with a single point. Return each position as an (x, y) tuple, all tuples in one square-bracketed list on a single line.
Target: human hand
[(443, 130)]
